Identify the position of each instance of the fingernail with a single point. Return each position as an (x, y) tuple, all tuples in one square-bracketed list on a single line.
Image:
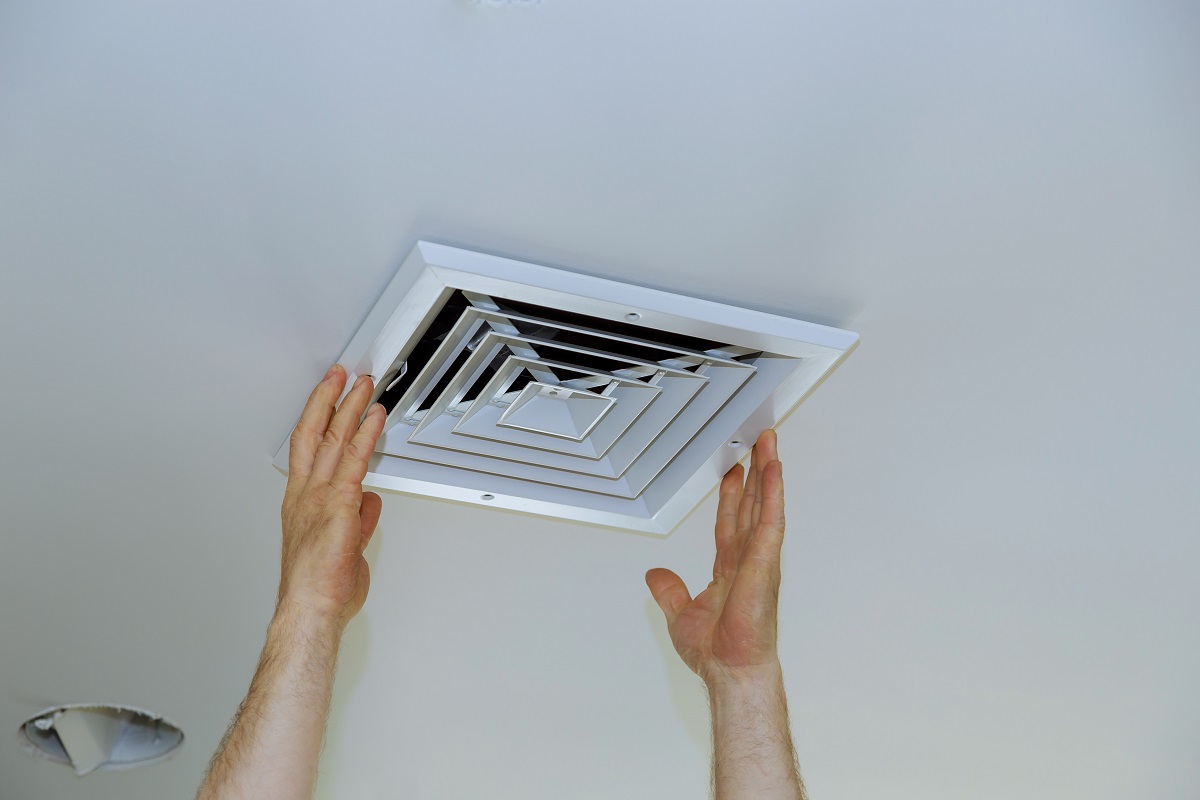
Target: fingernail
[(332, 370), (361, 380)]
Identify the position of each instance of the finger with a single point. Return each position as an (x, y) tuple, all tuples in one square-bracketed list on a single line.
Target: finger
[(766, 445), (746, 508), (669, 592), (755, 589), (341, 429), (314, 421), (357, 455), (727, 521), (766, 543), (372, 507)]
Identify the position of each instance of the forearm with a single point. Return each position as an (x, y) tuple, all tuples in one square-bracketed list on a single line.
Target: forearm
[(270, 751), (753, 757)]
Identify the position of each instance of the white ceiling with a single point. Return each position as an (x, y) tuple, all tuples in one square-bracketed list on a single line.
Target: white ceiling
[(990, 577)]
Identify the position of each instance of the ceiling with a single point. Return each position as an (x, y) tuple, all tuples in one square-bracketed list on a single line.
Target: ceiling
[(990, 575)]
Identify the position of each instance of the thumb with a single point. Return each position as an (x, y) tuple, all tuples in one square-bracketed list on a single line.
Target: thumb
[(669, 592), (369, 511)]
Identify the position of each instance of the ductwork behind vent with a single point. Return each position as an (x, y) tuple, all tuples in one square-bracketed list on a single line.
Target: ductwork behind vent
[(565, 395)]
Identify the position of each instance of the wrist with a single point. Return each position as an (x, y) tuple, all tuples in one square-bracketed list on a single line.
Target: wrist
[(309, 619), (745, 682)]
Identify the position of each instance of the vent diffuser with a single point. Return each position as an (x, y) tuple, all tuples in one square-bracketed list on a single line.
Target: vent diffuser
[(565, 395)]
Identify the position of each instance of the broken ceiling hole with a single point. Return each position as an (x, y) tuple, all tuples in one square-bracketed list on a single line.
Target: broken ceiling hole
[(88, 737)]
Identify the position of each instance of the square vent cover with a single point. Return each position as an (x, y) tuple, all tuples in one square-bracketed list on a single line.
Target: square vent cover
[(533, 389)]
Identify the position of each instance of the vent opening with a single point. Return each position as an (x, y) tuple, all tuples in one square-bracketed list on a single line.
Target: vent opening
[(428, 343), (673, 340), (587, 342)]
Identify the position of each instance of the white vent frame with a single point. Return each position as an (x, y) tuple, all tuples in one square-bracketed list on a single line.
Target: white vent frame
[(801, 355)]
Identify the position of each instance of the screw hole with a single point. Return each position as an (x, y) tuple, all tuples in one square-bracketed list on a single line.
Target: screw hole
[(736, 443), (633, 316), (487, 497)]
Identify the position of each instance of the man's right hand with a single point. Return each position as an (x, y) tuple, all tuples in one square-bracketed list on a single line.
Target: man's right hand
[(727, 635), (729, 630)]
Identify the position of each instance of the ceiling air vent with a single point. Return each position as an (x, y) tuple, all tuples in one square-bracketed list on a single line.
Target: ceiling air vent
[(553, 393)]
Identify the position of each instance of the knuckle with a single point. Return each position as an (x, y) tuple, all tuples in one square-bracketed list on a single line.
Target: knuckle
[(332, 440)]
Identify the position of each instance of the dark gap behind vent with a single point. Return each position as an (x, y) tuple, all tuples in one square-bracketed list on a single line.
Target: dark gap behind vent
[(427, 345), (432, 337), (524, 378), (433, 394), (586, 360), (668, 339), (473, 390)]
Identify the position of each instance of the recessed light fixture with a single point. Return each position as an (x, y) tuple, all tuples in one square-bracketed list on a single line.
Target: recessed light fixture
[(90, 736), (565, 395)]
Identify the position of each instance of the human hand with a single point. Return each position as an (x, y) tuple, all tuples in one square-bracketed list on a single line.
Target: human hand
[(327, 518), (728, 632)]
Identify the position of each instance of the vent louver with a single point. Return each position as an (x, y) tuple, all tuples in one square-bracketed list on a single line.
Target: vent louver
[(565, 395)]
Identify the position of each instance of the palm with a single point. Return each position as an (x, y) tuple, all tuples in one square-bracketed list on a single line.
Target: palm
[(328, 519), (730, 627)]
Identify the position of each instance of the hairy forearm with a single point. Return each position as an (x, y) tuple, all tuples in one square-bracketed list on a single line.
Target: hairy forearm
[(753, 757), (270, 751)]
